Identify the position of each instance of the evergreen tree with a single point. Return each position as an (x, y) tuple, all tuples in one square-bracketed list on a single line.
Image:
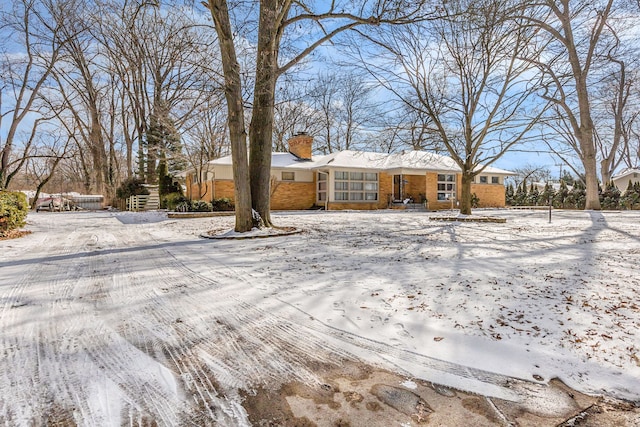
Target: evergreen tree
[(547, 195), (610, 197), (164, 152), (533, 196), (520, 198), (631, 197), (568, 179), (575, 197), (509, 195), (559, 199)]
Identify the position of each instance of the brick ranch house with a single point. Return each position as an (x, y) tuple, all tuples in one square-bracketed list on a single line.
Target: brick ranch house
[(353, 180)]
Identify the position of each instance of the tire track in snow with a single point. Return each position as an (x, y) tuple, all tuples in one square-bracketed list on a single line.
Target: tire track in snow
[(24, 359), (220, 337), (150, 327), (76, 286), (287, 333), (170, 344)]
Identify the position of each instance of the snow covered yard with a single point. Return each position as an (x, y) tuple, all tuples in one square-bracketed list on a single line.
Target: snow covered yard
[(131, 318)]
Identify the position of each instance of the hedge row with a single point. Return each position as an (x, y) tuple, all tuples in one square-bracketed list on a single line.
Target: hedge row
[(574, 198), (179, 203), (13, 211)]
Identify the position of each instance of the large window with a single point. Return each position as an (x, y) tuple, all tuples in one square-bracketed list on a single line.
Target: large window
[(356, 186), (322, 187), (446, 187)]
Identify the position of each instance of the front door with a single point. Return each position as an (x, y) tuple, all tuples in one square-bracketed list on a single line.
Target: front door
[(397, 188)]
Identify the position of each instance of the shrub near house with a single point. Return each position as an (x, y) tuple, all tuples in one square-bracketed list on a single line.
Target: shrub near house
[(13, 211)]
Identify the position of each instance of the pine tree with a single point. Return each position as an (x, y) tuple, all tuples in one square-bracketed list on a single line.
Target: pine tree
[(560, 198), (631, 197), (546, 196), (533, 196), (610, 197), (520, 197), (579, 195), (164, 152), (509, 194)]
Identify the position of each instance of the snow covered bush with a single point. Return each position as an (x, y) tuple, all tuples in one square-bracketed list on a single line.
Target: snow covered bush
[(182, 204), (200, 206), (222, 204), (13, 210), (171, 201)]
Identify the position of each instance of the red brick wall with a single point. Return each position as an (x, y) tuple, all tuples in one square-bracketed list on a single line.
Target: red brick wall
[(294, 195), (490, 195)]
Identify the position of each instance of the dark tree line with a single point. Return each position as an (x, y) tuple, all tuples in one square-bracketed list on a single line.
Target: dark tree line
[(572, 196)]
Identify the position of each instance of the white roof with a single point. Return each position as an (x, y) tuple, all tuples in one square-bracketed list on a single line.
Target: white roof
[(278, 160), (348, 159), (626, 172), (411, 160), (354, 160), (497, 171), (423, 160)]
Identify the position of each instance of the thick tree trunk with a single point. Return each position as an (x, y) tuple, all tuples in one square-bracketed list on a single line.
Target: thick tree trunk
[(129, 155), (4, 165), (605, 171), (237, 132), (96, 149), (584, 131), (6, 154), (465, 193), (589, 162), (587, 146), (261, 129)]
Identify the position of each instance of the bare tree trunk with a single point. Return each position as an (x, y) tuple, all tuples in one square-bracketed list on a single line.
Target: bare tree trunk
[(465, 192), (581, 58), (587, 143), (261, 128), (96, 148), (591, 174), (237, 132)]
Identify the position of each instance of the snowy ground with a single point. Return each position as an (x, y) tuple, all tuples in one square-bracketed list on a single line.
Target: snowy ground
[(132, 318)]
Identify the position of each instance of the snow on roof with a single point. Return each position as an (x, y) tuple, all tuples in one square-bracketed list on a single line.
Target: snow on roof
[(497, 171), (425, 160), (625, 173), (354, 160), (288, 160), (415, 160), (278, 160), (409, 160)]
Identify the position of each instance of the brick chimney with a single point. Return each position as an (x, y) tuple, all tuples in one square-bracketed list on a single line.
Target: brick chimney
[(300, 145)]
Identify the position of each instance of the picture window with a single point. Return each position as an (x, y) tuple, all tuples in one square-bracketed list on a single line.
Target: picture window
[(446, 187), (356, 186)]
